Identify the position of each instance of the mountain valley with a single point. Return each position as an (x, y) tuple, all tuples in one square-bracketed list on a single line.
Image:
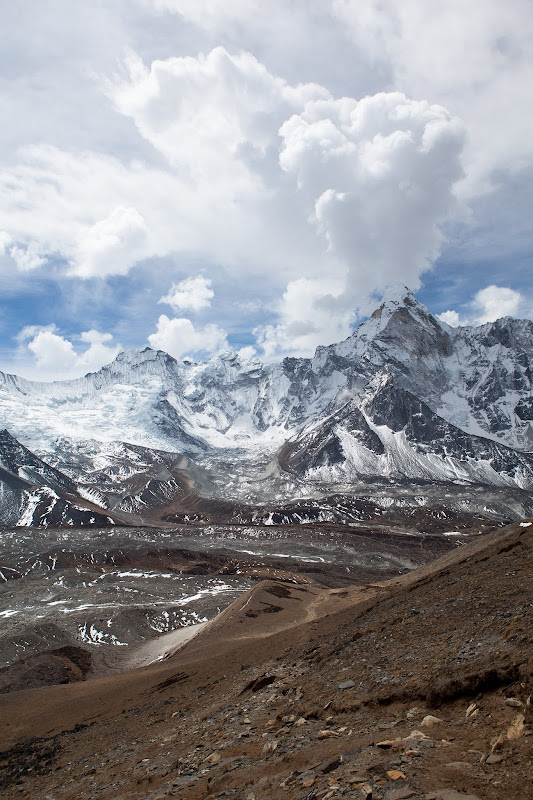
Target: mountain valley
[(278, 514)]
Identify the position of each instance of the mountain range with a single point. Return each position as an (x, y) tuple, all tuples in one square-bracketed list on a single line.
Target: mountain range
[(405, 402)]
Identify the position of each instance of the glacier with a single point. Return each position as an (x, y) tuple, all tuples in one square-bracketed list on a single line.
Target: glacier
[(405, 397)]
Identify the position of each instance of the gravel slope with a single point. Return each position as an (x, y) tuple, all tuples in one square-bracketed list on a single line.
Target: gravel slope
[(301, 692)]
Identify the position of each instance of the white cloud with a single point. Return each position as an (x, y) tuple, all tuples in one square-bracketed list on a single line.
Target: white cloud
[(26, 258), (494, 302), (379, 177), (263, 177), (30, 331), (99, 352), (476, 59), (56, 358), (451, 318), (52, 352), (183, 160), (487, 305), (180, 338), (112, 245), (210, 116), (191, 293), (246, 353), (310, 314), (5, 240)]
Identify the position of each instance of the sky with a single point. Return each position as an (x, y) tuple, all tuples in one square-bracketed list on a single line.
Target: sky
[(210, 176)]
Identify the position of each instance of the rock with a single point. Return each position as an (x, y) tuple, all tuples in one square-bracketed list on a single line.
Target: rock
[(516, 728), (430, 720), (471, 710), (331, 765), (377, 768), (400, 794), (416, 738), (450, 794), (346, 685), (386, 744), (356, 779), (498, 742), (395, 775), (326, 734), (493, 758), (513, 702), (365, 792), (383, 726), (269, 747)]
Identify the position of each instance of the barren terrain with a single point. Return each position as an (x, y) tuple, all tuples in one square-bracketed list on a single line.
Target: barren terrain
[(416, 687)]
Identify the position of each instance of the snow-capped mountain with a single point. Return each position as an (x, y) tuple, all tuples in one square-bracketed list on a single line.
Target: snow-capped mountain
[(405, 397), (34, 493)]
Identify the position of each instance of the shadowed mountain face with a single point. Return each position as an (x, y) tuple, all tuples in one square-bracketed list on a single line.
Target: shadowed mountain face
[(405, 398), (389, 432), (34, 493)]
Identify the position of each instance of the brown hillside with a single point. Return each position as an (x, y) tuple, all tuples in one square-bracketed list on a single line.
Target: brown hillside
[(300, 692)]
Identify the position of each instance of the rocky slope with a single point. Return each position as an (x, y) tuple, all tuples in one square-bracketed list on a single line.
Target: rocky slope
[(416, 688), (34, 493)]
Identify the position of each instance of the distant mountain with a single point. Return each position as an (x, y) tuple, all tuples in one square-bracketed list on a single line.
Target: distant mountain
[(34, 493), (405, 398)]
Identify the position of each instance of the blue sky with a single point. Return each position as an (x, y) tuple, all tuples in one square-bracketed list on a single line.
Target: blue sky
[(204, 176)]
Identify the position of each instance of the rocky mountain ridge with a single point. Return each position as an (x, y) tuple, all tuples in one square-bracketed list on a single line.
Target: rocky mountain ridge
[(404, 398)]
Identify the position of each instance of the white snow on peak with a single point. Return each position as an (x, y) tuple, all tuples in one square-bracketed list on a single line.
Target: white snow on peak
[(472, 377), (397, 294)]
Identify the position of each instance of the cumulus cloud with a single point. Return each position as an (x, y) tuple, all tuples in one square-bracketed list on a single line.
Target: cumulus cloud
[(191, 293), (111, 245), (487, 305), (310, 315), (251, 164), (451, 318), (246, 353), (55, 356), (477, 61), (26, 258), (494, 302), (52, 352), (179, 337), (379, 176), (258, 175)]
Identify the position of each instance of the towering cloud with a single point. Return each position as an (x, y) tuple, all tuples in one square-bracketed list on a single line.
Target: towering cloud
[(257, 175)]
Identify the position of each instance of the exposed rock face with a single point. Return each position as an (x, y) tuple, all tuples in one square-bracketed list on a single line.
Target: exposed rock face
[(29, 489), (405, 397), (18, 460), (391, 433)]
